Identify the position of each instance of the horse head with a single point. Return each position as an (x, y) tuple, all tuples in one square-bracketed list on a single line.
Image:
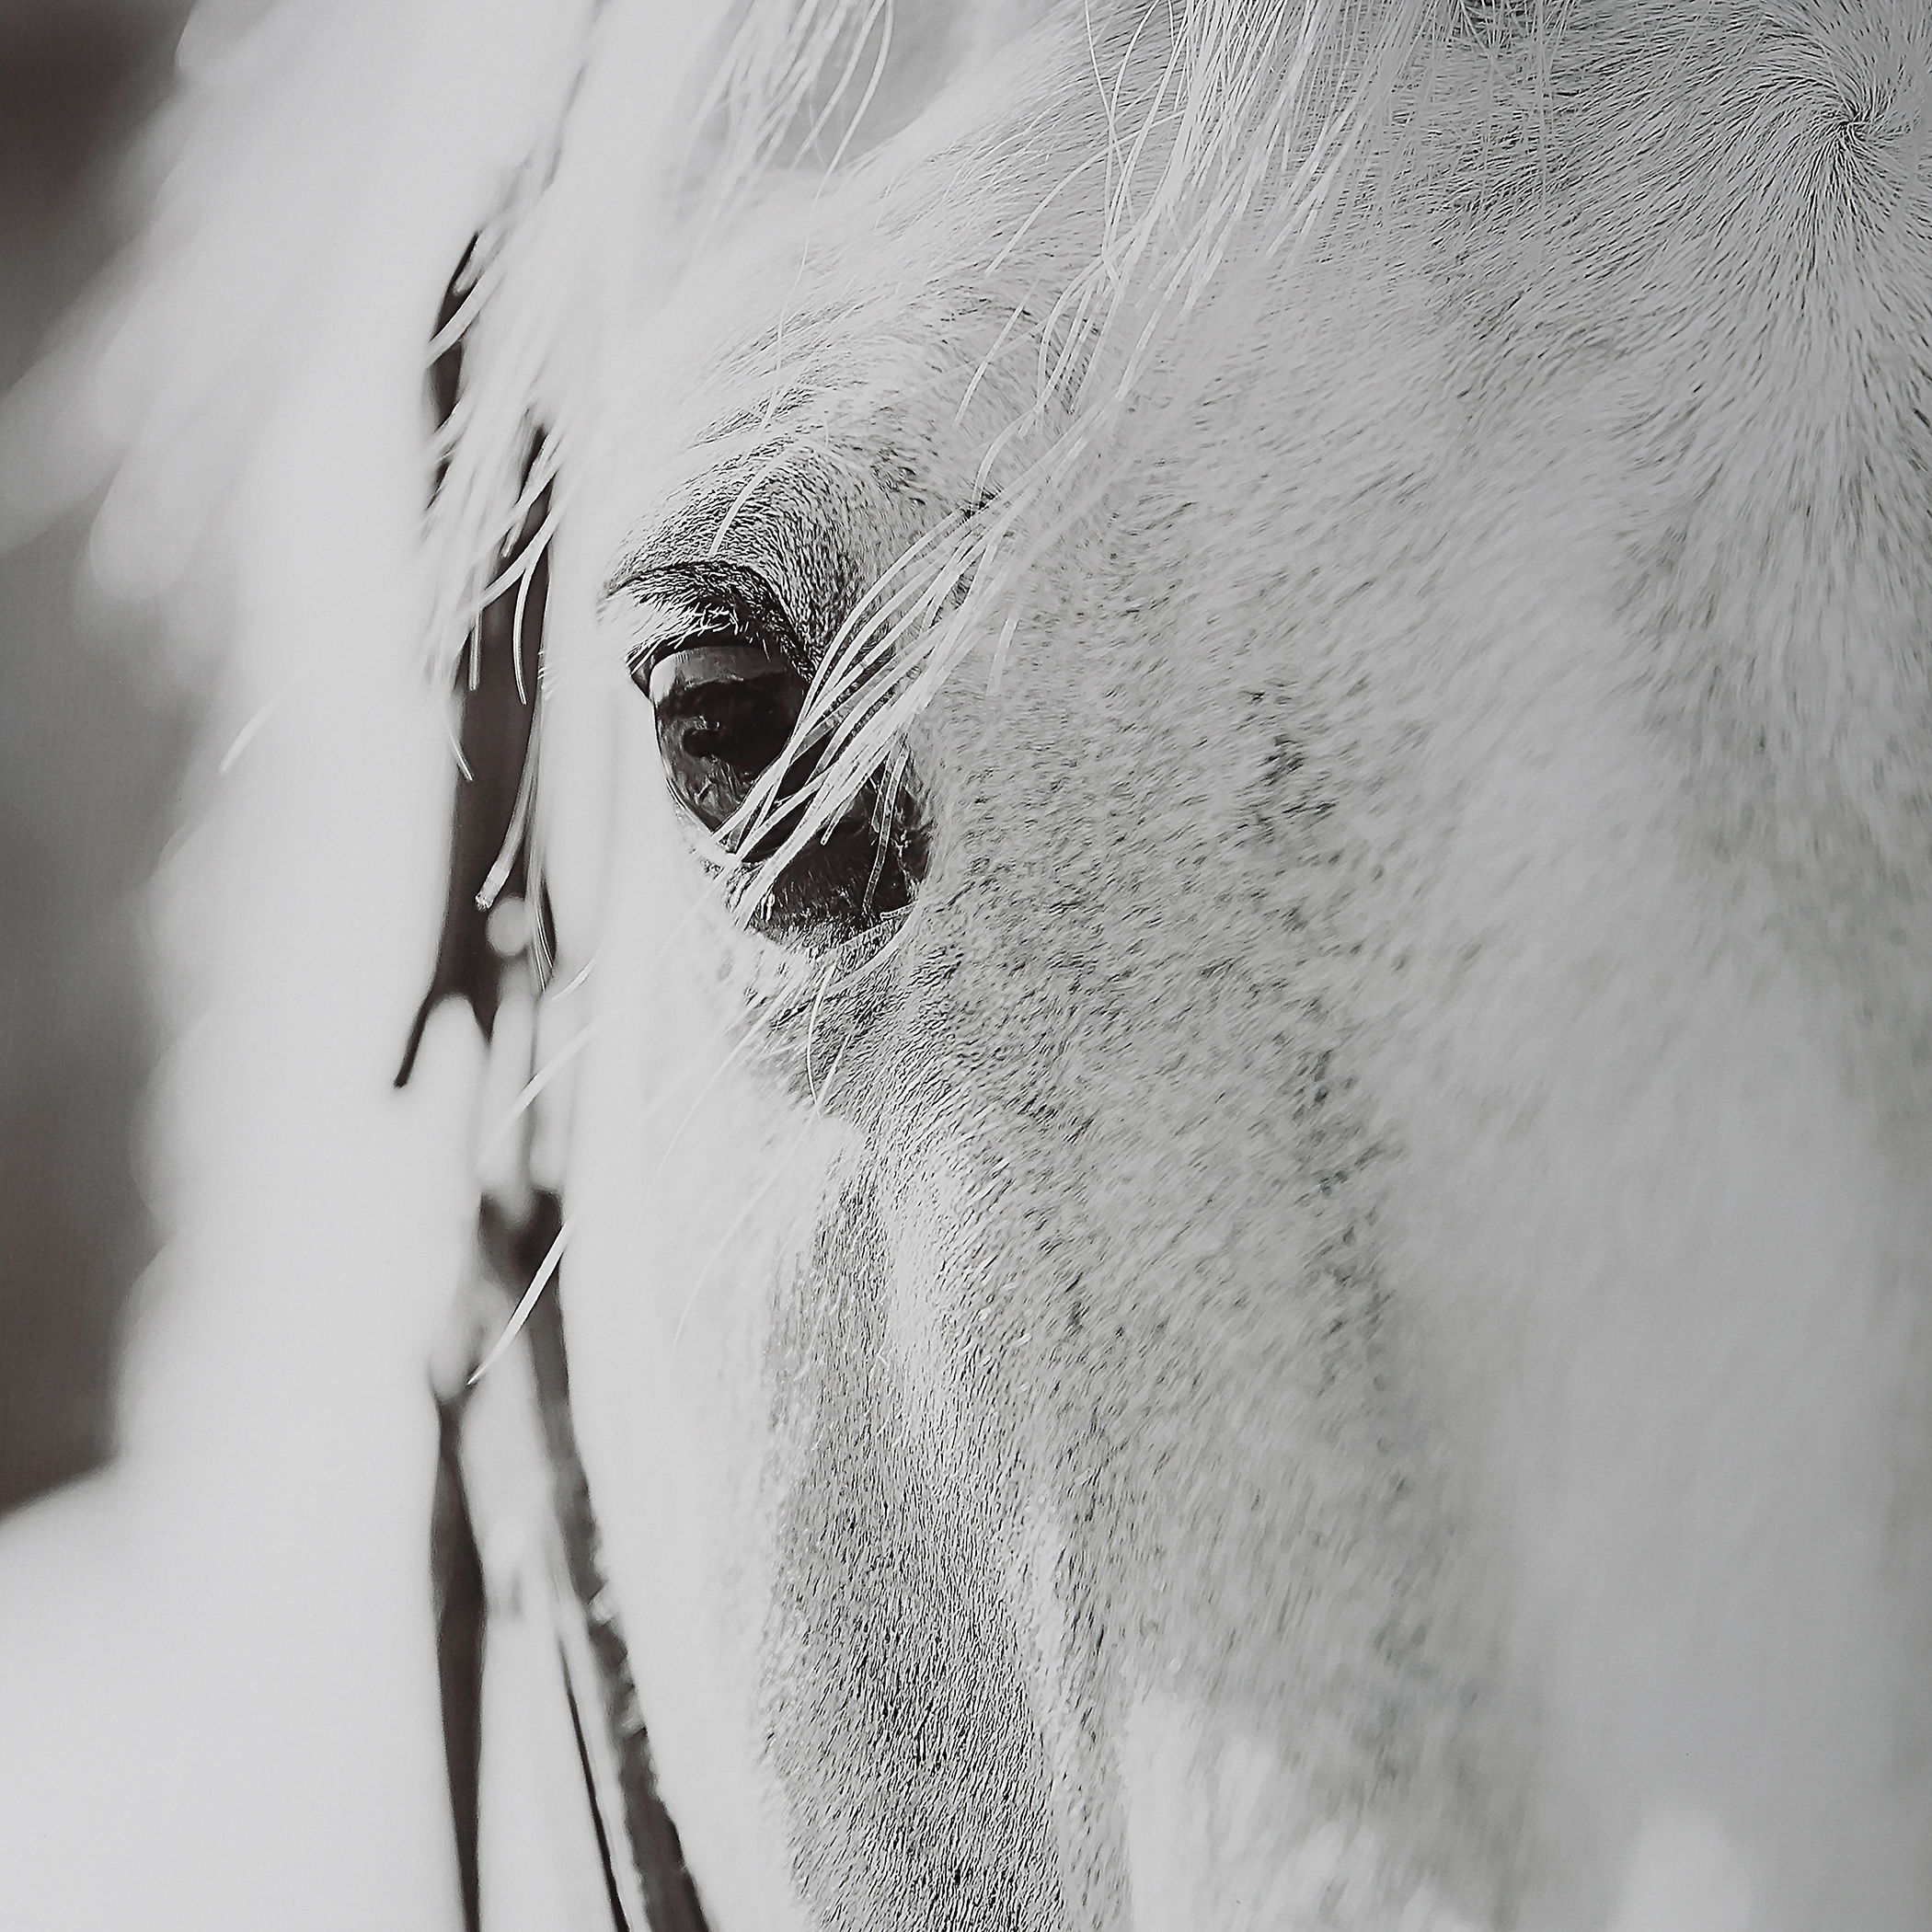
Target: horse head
[(1220, 792)]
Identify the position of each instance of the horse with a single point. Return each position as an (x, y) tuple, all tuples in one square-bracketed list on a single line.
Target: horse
[(1209, 905)]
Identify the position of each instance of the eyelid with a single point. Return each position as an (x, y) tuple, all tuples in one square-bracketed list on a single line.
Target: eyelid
[(698, 665), (663, 630), (675, 605)]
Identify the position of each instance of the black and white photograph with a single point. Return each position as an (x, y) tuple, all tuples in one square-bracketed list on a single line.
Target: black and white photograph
[(968, 966)]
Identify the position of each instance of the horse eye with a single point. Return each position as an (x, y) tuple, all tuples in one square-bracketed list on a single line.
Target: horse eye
[(725, 714), (725, 681)]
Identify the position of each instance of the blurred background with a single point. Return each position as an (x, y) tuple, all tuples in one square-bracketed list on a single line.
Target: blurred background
[(92, 742)]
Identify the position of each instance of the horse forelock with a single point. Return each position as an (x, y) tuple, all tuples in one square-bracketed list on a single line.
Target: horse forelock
[(1126, 167)]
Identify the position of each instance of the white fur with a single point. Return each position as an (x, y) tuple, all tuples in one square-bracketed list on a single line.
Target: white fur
[(1337, 1337)]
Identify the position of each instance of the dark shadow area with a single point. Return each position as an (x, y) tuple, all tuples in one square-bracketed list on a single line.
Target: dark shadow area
[(90, 755)]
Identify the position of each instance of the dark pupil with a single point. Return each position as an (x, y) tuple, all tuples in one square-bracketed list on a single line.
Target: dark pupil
[(729, 694), (717, 737)]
